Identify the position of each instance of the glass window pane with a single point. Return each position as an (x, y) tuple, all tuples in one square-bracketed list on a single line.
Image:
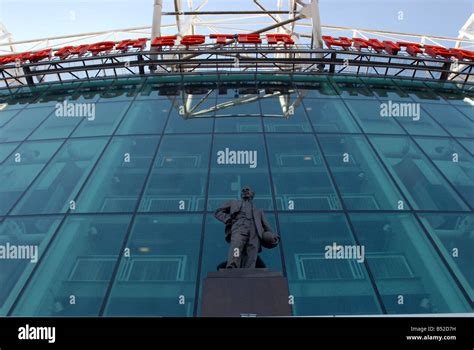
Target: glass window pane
[(145, 117), (330, 115), (314, 87), (6, 115), (19, 170), (320, 285), (162, 266), (361, 179), (419, 91), (456, 164), (451, 119), (116, 182), (422, 124), (21, 232), (122, 90), (283, 114), (238, 124), (60, 181), (237, 161), (80, 262), (385, 89), (468, 144), (467, 110), (351, 87), (454, 235), (419, 180), (55, 127), (6, 149), (178, 124), (404, 263), (104, 121), (300, 177), (368, 114), (179, 176), (23, 124)]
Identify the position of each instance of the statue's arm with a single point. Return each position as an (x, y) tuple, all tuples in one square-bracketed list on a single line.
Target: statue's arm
[(223, 213)]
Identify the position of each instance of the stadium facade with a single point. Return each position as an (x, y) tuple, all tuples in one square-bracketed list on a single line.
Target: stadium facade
[(110, 173)]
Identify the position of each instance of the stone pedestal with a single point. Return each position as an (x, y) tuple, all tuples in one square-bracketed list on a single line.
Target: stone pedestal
[(245, 293)]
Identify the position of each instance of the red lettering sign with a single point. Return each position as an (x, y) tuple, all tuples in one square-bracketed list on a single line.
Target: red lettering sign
[(138, 44), (435, 51), (161, 41), (36, 56), (221, 38), (67, 51), (412, 48), (462, 54), (189, 40), (249, 39), (102, 46), (391, 48), (363, 43), (330, 42), (280, 38)]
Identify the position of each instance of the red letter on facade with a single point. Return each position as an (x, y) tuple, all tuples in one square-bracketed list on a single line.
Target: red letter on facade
[(67, 51), (463, 54), (102, 46), (189, 40), (249, 38), (161, 41), (36, 56), (10, 58), (280, 38), (363, 43), (412, 48), (391, 47), (435, 51), (221, 38), (137, 44), (330, 41)]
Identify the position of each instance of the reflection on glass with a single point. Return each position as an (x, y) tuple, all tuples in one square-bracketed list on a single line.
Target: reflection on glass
[(410, 276), (419, 180), (369, 115), (323, 286), (454, 236), (451, 119), (23, 124), (284, 114), (159, 277), (362, 181), (58, 184), (104, 119), (33, 233), (116, 182), (454, 162), (16, 176), (300, 177), (236, 161), (145, 117), (74, 276), (178, 179), (330, 115)]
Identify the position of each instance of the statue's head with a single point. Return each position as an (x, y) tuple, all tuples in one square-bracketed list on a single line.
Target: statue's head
[(247, 193)]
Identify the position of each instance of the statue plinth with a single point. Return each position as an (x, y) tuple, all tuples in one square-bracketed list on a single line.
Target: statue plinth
[(244, 293)]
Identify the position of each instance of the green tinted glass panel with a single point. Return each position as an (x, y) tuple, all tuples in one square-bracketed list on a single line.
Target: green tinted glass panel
[(451, 119), (145, 117), (179, 176), (79, 263), (404, 263), (60, 181), (23, 124), (361, 179), (419, 180), (321, 284), (161, 268), (300, 177), (117, 181), (330, 115)]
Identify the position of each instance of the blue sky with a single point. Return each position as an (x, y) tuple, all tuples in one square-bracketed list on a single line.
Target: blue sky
[(31, 19)]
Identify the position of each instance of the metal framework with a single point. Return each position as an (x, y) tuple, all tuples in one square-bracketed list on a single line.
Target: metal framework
[(295, 17)]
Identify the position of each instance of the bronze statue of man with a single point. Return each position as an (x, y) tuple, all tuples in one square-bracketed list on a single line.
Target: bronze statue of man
[(247, 229)]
